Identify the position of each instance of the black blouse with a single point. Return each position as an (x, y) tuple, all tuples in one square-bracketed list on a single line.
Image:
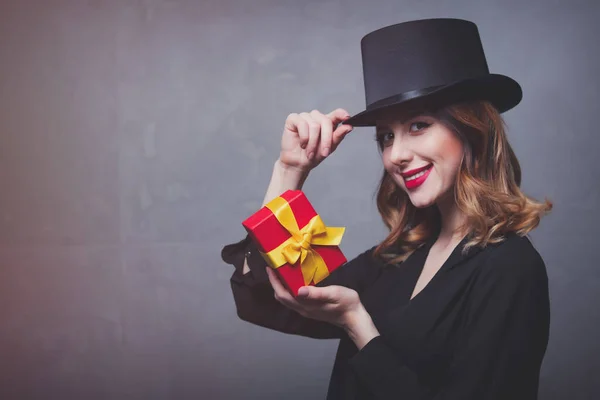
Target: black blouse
[(478, 330)]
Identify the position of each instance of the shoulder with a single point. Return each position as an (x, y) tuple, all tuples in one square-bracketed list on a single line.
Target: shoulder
[(509, 284), (514, 260), (514, 247)]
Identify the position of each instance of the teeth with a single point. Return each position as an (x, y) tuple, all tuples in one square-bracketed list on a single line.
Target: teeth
[(417, 175)]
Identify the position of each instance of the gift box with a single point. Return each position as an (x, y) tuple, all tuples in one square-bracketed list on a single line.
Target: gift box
[(294, 241)]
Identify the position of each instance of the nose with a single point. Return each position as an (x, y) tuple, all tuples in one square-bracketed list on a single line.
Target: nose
[(400, 153)]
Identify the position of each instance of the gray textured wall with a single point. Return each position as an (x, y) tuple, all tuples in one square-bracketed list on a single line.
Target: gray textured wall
[(135, 136)]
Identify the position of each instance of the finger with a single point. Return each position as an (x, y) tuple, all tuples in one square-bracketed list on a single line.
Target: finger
[(319, 294), (338, 115), (325, 141), (314, 129), (303, 292), (309, 300), (339, 134), (296, 123)]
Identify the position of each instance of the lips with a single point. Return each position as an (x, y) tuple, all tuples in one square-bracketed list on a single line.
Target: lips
[(418, 181), (414, 171)]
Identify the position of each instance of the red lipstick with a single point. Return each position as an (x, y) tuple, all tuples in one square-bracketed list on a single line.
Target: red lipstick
[(414, 183), (414, 171)]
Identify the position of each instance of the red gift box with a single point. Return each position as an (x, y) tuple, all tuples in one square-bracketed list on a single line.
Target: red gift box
[(289, 228)]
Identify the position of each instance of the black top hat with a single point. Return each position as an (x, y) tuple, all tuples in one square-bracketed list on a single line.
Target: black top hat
[(429, 61)]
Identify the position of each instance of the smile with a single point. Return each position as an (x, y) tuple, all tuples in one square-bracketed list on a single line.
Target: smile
[(416, 180)]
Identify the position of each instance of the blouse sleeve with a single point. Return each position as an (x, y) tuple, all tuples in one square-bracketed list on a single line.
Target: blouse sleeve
[(500, 356), (254, 296)]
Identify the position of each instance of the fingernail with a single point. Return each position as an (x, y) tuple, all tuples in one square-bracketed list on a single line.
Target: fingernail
[(310, 155), (325, 151)]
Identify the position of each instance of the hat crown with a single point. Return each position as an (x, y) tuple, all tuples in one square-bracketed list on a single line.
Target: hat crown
[(420, 54)]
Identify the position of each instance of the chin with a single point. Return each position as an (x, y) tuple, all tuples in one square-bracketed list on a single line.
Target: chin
[(419, 202)]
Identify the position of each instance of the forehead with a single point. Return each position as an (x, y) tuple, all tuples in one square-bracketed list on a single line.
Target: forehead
[(397, 117)]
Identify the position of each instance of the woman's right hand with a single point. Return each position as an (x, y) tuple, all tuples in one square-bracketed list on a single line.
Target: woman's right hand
[(308, 138)]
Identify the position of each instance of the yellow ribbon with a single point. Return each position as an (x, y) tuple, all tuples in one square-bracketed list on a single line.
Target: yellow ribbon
[(299, 245)]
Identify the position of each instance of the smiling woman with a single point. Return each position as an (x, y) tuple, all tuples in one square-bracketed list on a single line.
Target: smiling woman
[(421, 151), (456, 156), (454, 303)]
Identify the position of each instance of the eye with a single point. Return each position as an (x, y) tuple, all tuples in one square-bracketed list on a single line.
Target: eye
[(419, 126), (384, 138)]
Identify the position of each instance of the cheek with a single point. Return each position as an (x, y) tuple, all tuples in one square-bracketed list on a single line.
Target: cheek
[(392, 169), (449, 150), (454, 160), (455, 150), (387, 163)]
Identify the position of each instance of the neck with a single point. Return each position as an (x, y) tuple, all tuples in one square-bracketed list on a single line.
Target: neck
[(452, 220)]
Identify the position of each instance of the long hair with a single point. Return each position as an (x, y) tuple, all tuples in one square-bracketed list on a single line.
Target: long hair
[(487, 188)]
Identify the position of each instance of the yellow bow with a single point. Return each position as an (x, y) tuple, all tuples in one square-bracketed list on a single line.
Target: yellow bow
[(299, 245)]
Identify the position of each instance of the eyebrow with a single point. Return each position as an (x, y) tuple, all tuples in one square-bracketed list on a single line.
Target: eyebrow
[(407, 117)]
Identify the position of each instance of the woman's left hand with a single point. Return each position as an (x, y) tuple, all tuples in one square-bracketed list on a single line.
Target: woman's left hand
[(335, 304)]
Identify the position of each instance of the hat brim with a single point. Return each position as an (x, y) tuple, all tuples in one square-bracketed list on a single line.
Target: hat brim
[(500, 90)]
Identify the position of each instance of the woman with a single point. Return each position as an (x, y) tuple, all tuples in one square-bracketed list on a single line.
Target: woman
[(454, 303)]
